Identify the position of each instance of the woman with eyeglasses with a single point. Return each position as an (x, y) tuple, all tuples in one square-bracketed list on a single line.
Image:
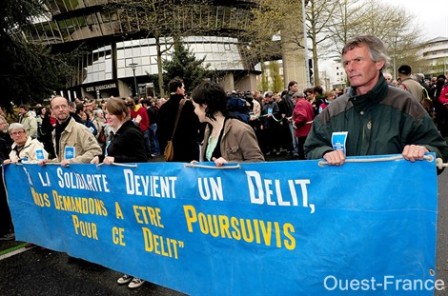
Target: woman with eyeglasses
[(24, 148)]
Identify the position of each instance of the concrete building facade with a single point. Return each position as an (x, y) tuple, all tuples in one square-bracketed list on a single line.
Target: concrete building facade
[(435, 53), (116, 37)]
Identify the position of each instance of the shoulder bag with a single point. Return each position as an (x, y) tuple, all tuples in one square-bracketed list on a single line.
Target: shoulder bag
[(168, 153)]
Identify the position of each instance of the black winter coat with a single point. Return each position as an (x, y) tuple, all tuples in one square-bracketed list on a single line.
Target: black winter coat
[(186, 139), (127, 145)]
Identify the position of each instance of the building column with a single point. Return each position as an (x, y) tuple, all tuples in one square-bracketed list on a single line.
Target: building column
[(228, 82), (293, 56)]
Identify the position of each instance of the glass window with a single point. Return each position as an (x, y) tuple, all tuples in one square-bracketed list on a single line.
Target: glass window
[(108, 66), (128, 62), (146, 60), (53, 7), (63, 29), (152, 50), (136, 51), (120, 53), (121, 63), (153, 69), (153, 60)]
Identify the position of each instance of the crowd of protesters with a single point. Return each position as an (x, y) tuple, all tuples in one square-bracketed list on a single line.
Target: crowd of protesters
[(281, 120), (270, 124)]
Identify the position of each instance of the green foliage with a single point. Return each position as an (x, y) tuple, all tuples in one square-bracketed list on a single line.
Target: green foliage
[(264, 78), (28, 73), (16, 13), (183, 64), (276, 78)]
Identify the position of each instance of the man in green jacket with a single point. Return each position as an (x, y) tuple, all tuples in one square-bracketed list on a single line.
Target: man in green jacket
[(378, 119)]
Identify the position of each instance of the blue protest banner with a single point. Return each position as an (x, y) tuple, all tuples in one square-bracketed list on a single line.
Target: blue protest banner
[(277, 228)]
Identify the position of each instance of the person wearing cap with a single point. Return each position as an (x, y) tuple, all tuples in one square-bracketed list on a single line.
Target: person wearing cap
[(408, 83), (378, 119), (302, 117)]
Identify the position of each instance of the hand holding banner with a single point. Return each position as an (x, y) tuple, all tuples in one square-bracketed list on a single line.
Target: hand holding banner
[(279, 228)]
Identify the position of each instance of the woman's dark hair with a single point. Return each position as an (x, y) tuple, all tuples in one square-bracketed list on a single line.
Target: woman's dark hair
[(210, 94)]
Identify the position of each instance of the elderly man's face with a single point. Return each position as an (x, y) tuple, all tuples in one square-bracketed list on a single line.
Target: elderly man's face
[(362, 71)]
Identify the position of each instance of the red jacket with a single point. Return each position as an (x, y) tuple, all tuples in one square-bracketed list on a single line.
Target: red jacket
[(144, 123), (303, 117), (443, 98)]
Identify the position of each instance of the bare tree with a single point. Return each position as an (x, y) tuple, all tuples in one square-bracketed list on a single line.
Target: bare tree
[(265, 28), (283, 18), (347, 17), (393, 25), (319, 14)]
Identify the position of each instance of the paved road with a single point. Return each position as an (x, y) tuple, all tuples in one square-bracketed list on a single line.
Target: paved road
[(38, 271)]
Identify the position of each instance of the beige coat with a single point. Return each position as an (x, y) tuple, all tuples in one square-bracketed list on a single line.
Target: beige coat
[(238, 142), (28, 151), (413, 87), (80, 137), (29, 122)]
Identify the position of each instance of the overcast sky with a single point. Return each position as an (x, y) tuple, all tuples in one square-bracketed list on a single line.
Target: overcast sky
[(431, 15)]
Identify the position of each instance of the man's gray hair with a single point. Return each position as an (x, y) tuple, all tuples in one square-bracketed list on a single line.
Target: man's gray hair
[(376, 48)]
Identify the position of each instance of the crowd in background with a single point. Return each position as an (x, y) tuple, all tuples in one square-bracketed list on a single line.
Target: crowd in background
[(276, 118), (212, 126), (215, 126)]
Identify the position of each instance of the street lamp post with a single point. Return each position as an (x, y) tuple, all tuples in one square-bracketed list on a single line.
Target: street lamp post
[(305, 46), (133, 67)]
